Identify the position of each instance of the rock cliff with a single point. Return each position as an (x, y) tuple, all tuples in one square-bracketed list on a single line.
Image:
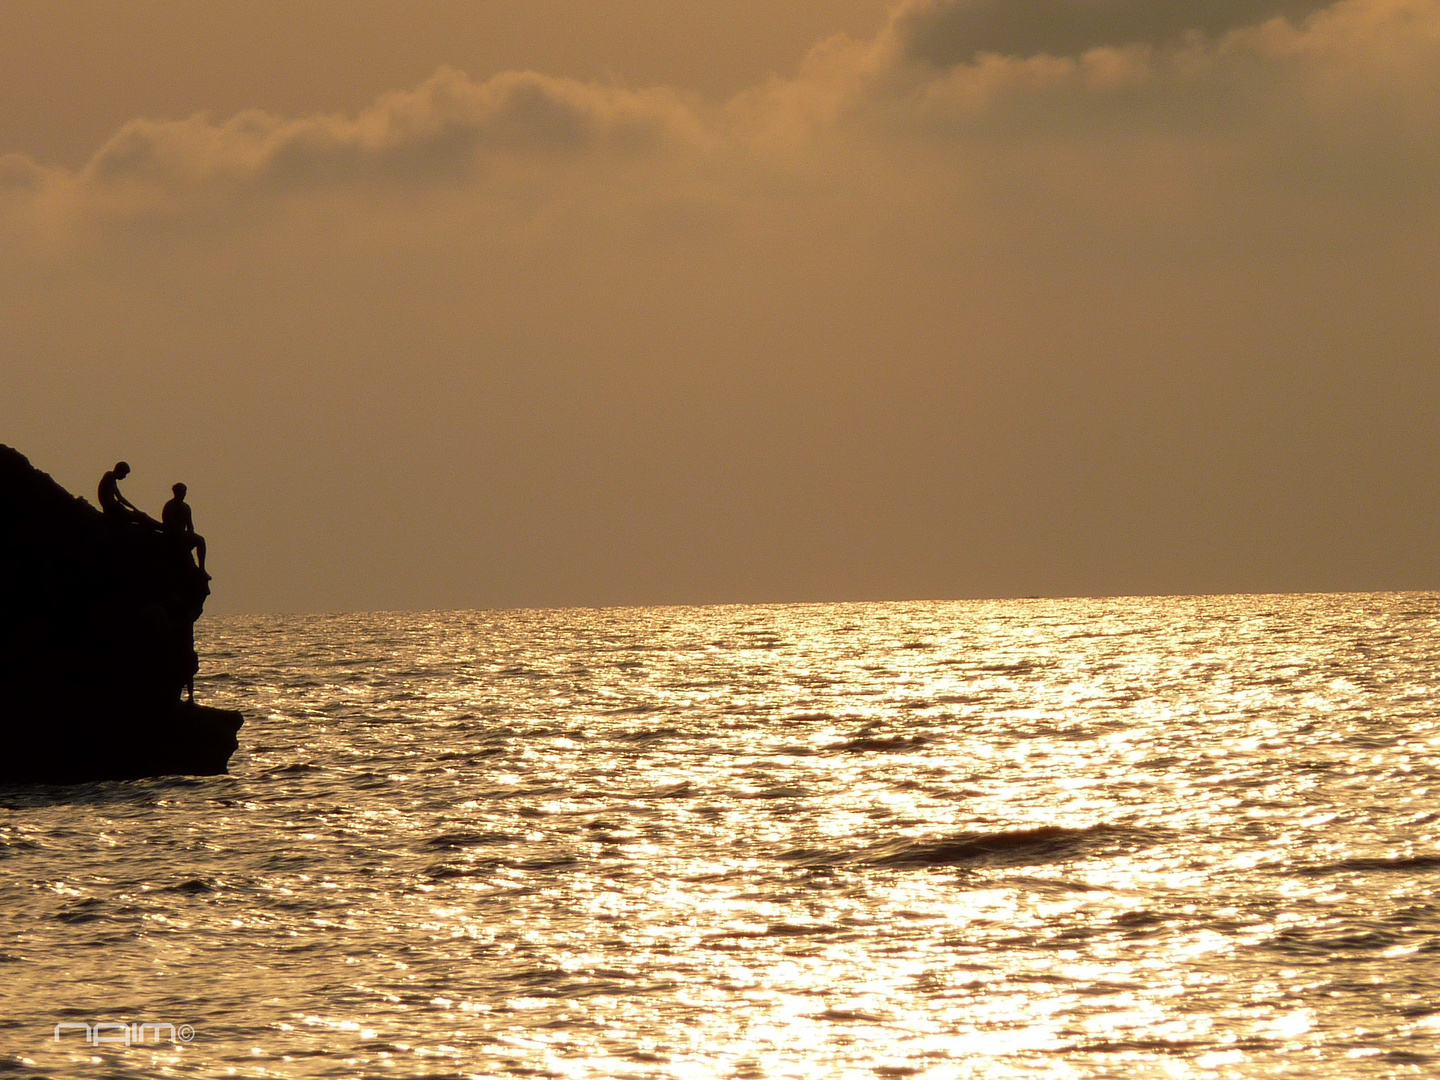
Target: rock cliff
[(97, 644)]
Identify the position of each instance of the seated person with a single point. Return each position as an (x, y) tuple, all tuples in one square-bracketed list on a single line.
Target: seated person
[(114, 505), (179, 525)]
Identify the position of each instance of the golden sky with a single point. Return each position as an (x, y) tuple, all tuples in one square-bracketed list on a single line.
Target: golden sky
[(443, 304)]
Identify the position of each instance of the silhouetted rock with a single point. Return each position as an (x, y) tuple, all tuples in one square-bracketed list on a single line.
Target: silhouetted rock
[(97, 643)]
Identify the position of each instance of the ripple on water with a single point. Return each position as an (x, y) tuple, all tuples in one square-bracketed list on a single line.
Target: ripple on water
[(1186, 836)]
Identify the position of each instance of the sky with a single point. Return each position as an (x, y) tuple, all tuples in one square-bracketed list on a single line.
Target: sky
[(444, 304)]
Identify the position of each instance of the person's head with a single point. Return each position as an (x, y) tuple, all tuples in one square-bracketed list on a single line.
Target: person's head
[(179, 490), (122, 469)]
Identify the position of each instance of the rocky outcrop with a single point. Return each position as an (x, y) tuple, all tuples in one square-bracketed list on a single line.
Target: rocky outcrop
[(97, 643)]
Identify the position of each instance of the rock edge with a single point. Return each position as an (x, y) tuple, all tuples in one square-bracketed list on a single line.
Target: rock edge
[(97, 644)]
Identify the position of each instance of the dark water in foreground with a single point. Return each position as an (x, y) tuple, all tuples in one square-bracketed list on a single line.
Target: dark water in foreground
[(1177, 837)]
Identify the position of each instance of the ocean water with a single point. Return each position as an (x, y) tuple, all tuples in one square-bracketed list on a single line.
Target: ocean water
[(1082, 838)]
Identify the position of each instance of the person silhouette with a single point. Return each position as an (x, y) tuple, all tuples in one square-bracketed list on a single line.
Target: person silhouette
[(114, 505), (179, 525)]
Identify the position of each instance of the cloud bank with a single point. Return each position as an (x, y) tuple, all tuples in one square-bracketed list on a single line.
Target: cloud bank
[(949, 67), (1296, 75), (1052, 296)]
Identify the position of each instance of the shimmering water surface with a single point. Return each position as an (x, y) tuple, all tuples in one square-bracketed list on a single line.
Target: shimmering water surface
[(1145, 837)]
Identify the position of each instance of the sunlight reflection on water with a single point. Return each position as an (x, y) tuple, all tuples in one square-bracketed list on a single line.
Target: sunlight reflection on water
[(1169, 837)]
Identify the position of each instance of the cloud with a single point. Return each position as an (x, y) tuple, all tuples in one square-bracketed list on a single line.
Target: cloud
[(442, 131), (943, 33), (946, 70), (19, 172)]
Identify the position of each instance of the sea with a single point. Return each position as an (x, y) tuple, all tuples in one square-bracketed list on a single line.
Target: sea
[(1153, 837)]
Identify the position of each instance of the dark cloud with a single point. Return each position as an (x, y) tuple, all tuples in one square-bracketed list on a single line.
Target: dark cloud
[(947, 32)]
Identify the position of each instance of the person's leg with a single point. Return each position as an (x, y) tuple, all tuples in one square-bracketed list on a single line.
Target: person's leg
[(200, 551)]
